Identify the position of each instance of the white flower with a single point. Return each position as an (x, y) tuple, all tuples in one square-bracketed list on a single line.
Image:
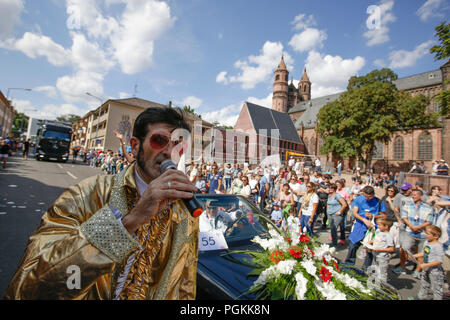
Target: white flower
[(310, 267), (273, 272), (266, 275), (285, 266), (329, 291), (350, 282), (300, 288), (324, 250)]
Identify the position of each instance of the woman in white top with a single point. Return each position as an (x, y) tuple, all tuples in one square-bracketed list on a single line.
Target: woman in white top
[(246, 191), (308, 208), (295, 189)]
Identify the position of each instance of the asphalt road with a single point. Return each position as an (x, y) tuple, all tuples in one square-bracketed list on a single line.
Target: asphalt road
[(29, 187)]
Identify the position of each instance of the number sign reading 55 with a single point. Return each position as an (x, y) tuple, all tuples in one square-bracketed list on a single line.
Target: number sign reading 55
[(213, 240)]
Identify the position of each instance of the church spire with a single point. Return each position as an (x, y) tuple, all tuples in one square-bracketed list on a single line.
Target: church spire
[(305, 76), (282, 65)]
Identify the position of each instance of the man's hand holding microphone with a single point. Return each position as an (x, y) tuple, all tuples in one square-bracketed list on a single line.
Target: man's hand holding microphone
[(171, 185)]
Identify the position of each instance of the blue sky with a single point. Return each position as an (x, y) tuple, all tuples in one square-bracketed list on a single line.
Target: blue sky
[(210, 54)]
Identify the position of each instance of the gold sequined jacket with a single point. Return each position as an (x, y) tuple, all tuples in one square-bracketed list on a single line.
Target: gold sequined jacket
[(81, 250)]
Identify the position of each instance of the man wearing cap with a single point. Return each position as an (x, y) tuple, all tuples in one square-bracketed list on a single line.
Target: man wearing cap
[(400, 200), (322, 191), (442, 168)]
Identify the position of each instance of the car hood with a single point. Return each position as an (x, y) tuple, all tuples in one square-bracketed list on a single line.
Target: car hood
[(228, 271)]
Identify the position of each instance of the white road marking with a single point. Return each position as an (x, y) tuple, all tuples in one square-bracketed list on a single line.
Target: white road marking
[(59, 165), (71, 175), (12, 186), (2, 212)]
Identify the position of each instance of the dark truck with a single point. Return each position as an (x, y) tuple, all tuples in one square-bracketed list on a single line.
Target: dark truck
[(53, 142)]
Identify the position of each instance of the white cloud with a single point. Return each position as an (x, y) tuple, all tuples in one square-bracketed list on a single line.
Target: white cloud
[(222, 77), (124, 95), (257, 69), (379, 63), (403, 58), (191, 101), (48, 90), (379, 20), (330, 74), (10, 11), (73, 88), (264, 102), (308, 39), (50, 111), (88, 56), (226, 116), (430, 9), (142, 22), (302, 21), (36, 45)]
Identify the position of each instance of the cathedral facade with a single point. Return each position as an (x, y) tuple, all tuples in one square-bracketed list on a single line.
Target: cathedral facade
[(425, 145)]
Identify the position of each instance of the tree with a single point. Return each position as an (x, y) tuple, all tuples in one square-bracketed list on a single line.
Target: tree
[(370, 110), (20, 123), (192, 111), (68, 118), (442, 52)]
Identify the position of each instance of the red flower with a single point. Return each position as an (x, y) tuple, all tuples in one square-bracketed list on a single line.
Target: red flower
[(324, 261), (304, 238), (276, 256), (336, 266), (312, 252), (295, 251), (325, 274), (288, 239)]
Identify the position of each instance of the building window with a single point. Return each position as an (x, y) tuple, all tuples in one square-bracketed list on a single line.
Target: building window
[(378, 150), (277, 77), (425, 147), (437, 106), (399, 148)]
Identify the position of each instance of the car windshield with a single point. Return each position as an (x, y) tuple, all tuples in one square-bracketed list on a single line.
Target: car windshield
[(233, 216), (56, 135)]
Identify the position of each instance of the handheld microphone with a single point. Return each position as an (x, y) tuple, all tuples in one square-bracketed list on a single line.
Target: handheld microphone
[(193, 205)]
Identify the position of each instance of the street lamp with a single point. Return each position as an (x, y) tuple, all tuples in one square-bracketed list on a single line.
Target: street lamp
[(7, 93), (99, 115)]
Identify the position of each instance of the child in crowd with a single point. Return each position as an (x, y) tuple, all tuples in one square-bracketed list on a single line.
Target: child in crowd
[(383, 246), (432, 273), (276, 216)]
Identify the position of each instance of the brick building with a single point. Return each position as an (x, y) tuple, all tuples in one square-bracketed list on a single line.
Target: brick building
[(6, 116), (418, 145)]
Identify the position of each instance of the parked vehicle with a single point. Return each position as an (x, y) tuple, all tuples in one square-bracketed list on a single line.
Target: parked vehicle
[(227, 226)]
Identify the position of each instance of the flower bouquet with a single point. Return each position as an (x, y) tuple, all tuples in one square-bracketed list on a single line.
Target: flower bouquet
[(291, 265)]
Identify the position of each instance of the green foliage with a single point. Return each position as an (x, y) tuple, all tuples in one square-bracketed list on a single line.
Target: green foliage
[(370, 110), (442, 51), (192, 111), (20, 122), (68, 118), (443, 98)]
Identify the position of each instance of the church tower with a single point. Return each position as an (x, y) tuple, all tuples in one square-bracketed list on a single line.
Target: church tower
[(304, 87), (280, 88)]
